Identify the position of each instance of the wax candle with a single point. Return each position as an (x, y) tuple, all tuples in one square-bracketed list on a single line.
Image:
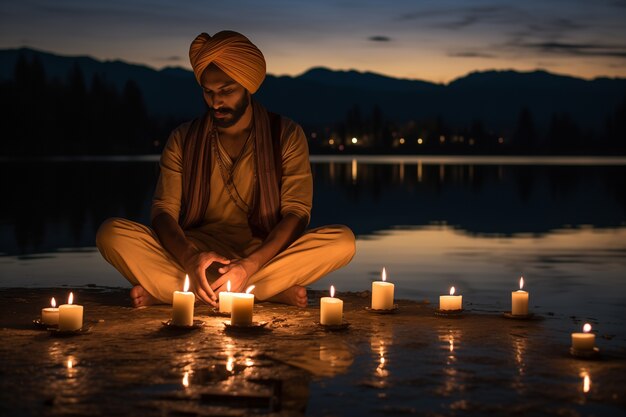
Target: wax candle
[(331, 309), (50, 315), (182, 306), (241, 308), (519, 300), (585, 340), (382, 293), (226, 299), (451, 302), (70, 315)]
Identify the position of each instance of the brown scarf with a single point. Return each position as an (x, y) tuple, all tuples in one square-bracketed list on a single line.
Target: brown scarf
[(265, 213)]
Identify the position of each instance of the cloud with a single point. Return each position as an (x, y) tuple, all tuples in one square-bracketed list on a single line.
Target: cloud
[(471, 54), (379, 38), (575, 49), (173, 58)]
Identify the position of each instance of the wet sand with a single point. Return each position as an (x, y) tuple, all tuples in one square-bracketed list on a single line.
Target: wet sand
[(409, 362)]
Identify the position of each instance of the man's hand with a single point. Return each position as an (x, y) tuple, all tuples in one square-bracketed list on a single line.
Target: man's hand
[(238, 271), (196, 264)]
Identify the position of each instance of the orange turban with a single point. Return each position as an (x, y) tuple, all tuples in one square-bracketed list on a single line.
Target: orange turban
[(233, 53)]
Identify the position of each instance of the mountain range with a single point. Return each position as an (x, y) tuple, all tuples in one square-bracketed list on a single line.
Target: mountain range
[(321, 96)]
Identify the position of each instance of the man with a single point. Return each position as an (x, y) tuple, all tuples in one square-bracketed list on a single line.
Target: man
[(233, 198)]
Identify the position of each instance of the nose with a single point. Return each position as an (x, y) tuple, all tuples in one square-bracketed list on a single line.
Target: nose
[(213, 100)]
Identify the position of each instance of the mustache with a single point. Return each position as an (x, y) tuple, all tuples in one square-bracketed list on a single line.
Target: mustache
[(223, 110)]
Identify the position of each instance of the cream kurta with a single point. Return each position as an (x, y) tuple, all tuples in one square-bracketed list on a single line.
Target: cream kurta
[(136, 252)]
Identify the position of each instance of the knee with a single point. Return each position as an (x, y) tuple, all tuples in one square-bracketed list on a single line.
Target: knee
[(108, 232), (344, 242)]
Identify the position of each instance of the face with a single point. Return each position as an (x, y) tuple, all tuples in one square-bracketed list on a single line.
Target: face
[(227, 99)]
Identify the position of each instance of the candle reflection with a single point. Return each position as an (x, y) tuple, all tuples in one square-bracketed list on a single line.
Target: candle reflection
[(584, 374), (186, 380), (70, 364), (380, 369), (450, 341), (230, 364), (419, 171), (519, 353), (354, 171)]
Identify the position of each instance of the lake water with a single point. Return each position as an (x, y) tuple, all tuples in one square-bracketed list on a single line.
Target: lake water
[(433, 222)]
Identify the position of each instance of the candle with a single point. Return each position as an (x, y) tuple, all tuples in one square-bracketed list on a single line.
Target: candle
[(519, 300), (585, 340), (331, 309), (241, 308), (451, 302), (50, 315), (70, 315), (382, 294), (182, 313), (226, 298)]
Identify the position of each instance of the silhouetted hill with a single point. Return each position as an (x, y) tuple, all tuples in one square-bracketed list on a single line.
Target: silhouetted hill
[(322, 97)]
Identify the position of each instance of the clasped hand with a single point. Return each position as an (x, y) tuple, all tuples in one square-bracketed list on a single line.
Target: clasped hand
[(236, 271)]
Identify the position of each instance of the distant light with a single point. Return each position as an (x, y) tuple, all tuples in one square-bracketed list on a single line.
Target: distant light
[(401, 141), (442, 138), (341, 147), (420, 141), (501, 140), (354, 140), (314, 135), (472, 141), (331, 141)]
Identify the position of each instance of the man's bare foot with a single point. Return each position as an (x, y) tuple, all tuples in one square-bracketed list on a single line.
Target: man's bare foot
[(295, 296), (141, 297)]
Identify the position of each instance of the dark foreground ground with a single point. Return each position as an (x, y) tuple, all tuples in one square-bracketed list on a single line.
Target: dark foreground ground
[(411, 363)]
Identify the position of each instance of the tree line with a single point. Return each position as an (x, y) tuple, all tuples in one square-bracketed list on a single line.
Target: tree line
[(74, 116)]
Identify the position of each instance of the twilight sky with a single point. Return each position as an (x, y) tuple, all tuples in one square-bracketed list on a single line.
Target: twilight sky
[(434, 40)]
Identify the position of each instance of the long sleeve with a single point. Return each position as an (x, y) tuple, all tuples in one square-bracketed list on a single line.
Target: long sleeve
[(168, 193)]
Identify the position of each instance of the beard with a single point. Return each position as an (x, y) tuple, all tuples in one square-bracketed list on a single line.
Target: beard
[(232, 115)]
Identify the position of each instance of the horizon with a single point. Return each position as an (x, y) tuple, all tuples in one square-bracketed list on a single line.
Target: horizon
[(431, 41), (178, 67)]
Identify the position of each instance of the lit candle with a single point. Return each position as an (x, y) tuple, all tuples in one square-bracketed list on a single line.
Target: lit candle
[(585, 340), (182, 312), (241, 308), (50, 315), (451, 302), (519, 300), (382, 294), (331, 309), (226, 298), (70, 315)]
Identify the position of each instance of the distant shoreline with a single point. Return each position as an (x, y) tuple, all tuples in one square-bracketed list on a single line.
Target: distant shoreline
[(371, 159)]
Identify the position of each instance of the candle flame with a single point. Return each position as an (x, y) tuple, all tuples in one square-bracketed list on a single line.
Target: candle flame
[(521, 283), (186, 380), (186, 286), (230, 364), (53, 302), (70, 299), (332, 290), (452, 290), (250, 288), (586, 384), (228, 286), (587, 328), (384, 274), (70, 364)]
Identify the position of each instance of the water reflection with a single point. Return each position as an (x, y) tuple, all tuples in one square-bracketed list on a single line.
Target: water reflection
[(519, 354), (450, 340), (496, 199), (586, 380)]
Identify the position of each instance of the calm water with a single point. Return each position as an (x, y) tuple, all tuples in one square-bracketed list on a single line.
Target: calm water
[(475, 223)]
